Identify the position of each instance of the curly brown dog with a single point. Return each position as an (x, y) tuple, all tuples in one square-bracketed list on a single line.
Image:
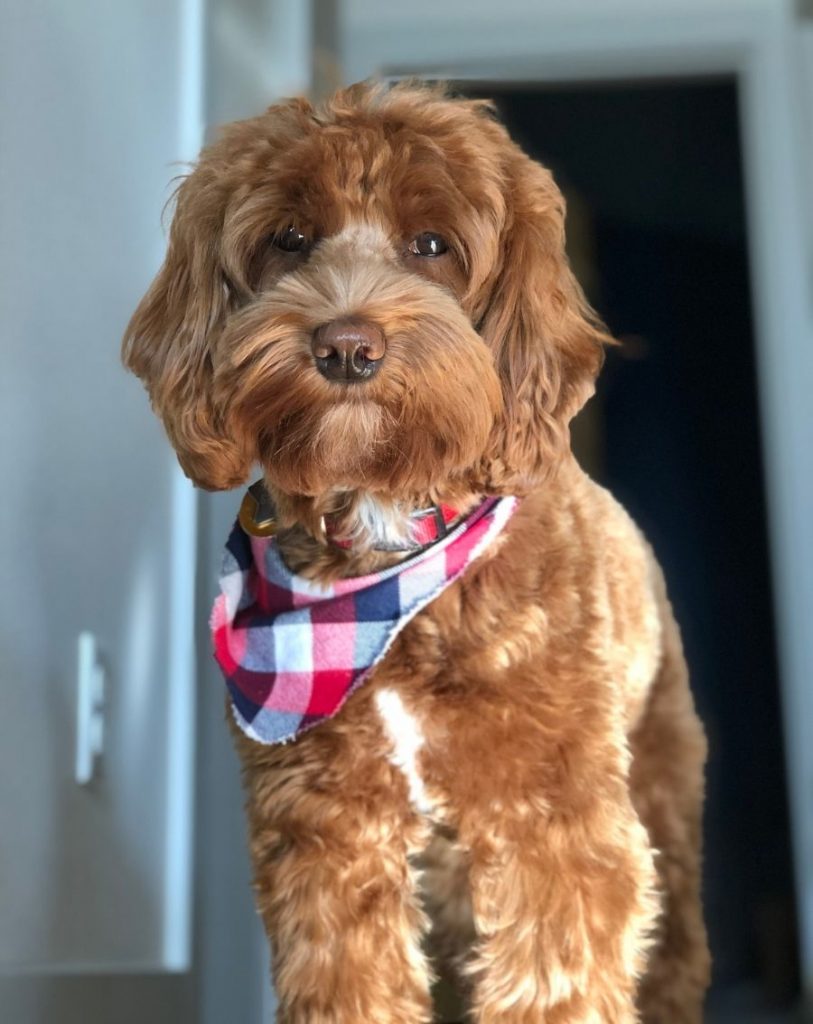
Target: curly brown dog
[(370, 299)]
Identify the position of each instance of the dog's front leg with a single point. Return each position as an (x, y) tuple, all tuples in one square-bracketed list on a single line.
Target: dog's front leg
[(331, 834), (562, 885)]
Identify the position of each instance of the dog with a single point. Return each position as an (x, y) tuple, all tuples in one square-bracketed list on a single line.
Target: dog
[(370, 299)]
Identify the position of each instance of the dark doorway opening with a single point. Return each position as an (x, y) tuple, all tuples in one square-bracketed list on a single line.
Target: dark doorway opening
[(653, 176)]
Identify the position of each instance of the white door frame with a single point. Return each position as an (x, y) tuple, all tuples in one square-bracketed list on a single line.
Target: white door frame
[(762, 45)]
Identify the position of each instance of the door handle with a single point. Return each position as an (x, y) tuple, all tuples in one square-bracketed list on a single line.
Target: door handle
[(89, 708)]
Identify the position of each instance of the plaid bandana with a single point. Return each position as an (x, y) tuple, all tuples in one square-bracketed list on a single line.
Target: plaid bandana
[(293, 651)]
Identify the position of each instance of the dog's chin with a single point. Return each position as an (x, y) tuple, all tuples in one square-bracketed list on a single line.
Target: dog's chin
[(341, 447), (362, 445), (404, 435)]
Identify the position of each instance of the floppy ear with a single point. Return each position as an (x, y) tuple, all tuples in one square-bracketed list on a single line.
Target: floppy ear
[(547, 341), (168, 341)]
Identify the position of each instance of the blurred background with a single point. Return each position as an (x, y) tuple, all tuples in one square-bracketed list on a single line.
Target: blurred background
[(680, 131)]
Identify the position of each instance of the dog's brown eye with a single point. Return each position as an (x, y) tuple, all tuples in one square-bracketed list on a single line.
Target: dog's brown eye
[(427, 243), (291, 240)]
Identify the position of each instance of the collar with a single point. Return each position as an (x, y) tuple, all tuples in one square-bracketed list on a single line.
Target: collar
[(258, 517), (292, 650)]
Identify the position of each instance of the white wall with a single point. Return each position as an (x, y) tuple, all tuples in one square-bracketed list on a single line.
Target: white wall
[(259, 50), (91, 114), (89, 128)]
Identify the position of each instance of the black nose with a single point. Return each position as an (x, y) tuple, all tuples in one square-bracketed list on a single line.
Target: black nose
[(348, 350)]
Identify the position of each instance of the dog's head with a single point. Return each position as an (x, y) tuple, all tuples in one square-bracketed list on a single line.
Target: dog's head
[(370, 295)]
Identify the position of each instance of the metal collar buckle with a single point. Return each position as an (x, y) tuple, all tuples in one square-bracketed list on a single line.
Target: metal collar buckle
[(257, 515)]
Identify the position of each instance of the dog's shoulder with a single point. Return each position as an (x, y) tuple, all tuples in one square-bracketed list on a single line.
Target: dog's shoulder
[(573, 521), (575, 551)]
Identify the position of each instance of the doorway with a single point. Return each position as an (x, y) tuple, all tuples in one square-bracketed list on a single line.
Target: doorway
[(653, 176)]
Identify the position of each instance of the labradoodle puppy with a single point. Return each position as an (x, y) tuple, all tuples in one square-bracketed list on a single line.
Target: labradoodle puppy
[(455, 681)]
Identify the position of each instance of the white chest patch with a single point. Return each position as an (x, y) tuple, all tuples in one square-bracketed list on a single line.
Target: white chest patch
[(382, 526), (404, 732)]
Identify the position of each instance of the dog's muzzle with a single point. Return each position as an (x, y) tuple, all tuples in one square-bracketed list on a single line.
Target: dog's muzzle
[(348, 351)]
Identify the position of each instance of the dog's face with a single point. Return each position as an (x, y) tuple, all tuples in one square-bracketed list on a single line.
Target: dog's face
[(368, 296)]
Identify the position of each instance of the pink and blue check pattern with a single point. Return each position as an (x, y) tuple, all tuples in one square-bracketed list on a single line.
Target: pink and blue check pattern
[(293, 651)]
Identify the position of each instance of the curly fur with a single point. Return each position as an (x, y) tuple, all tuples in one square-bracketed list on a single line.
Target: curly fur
[(515, 795)]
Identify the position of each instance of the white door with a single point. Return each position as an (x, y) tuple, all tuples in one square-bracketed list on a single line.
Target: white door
[(95, 878)]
